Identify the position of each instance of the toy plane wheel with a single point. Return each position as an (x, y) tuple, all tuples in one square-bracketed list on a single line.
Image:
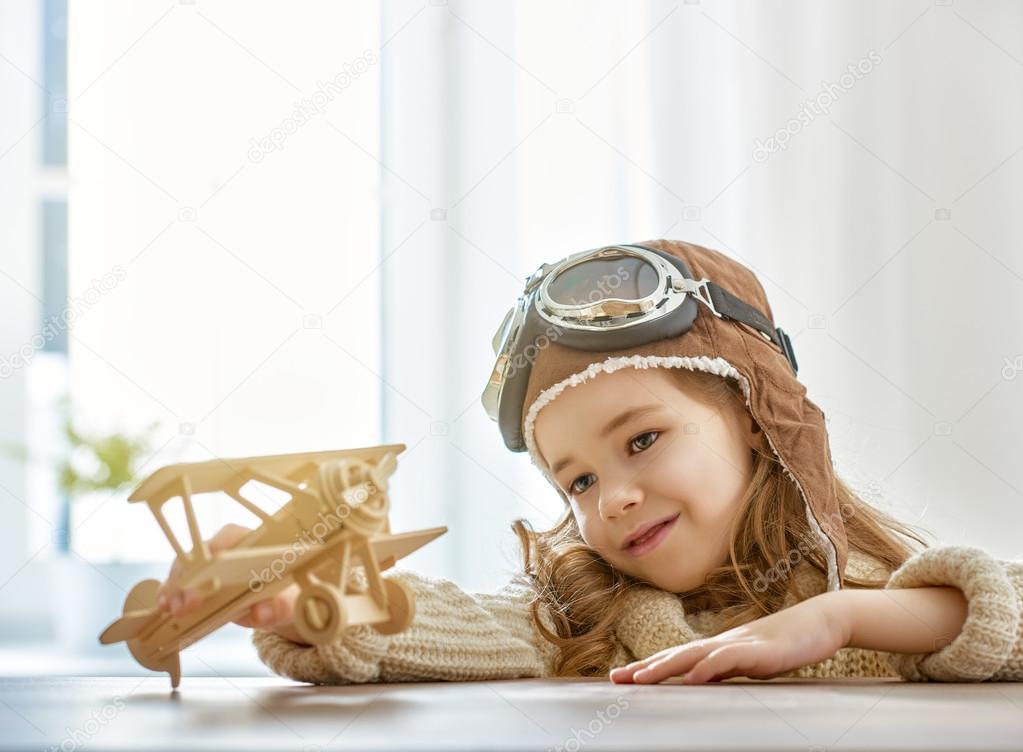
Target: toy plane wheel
[(401, 604), (319, 614)]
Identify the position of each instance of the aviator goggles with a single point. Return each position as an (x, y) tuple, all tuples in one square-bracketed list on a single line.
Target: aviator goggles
[(605, 299)]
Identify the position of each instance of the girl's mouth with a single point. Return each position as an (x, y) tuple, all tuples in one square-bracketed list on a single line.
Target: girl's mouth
[(651, 539)]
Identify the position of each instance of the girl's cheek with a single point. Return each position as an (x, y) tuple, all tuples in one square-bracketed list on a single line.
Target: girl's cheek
[(696, 473), (678, 467), (589, 530), (596, 537)]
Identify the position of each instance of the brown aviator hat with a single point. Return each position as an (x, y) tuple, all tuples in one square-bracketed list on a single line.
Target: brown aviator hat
[(793, 425)]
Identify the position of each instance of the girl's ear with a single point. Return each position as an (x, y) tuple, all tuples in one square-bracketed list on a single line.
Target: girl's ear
[(748, 428), (752, 432)]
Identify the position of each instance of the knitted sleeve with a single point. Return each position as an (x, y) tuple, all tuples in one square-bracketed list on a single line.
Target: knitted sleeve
[(454, 635), (990, 644)]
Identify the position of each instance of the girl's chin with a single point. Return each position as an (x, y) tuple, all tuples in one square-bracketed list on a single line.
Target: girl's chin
[(677, 582), (655, 570), (680, 584)]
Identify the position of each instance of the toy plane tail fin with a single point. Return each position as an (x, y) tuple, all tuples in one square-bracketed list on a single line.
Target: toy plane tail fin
[(126, 627)]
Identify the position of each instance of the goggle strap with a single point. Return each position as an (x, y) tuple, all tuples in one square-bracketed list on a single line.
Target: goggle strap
[(729, 306)]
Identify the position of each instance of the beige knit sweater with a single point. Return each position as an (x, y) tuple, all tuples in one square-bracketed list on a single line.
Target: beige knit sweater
[(463, 636)]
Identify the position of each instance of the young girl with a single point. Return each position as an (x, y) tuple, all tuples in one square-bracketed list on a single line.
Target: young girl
[(705, 533)]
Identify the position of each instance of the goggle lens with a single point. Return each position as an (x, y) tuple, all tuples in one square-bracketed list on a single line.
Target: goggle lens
[(611, 276)]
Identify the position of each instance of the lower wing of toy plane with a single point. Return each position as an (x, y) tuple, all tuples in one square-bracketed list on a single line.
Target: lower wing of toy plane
[(230, 583), (241, 566)]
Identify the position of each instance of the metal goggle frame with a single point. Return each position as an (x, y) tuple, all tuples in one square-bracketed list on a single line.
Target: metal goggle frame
[(609, 298)]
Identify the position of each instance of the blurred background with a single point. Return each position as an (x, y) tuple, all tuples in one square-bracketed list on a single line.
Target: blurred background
[(238, 228)]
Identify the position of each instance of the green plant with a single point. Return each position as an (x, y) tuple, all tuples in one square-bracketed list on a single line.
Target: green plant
[(88, 463), (94, 463)]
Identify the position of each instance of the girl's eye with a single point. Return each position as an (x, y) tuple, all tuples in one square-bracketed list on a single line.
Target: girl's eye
[(640, 443), (574, 486)]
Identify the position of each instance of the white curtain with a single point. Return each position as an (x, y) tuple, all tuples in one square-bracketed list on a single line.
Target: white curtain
[(882, 220)]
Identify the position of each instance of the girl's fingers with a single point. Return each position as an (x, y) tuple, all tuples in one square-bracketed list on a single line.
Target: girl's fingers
[(272, 611), (699, 661), (735, 659), (248, 618), (170, 597), (673, 665), (664, 664), (167, 588), (190, 599), (626, 672), (267, 613), (629, 669), (176, 601), (228, 537)]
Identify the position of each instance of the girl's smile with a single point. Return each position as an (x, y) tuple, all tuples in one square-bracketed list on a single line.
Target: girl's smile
[(649, 536)]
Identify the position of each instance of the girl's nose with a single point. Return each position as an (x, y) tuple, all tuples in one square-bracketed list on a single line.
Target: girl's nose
[(616, 499)]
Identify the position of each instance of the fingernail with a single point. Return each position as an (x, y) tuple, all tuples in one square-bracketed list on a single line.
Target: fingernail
[(175, 604), (263, 612), (161, 601)]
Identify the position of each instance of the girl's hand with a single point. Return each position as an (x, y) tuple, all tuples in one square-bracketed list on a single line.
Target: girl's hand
[(273, 613), (803, 634)]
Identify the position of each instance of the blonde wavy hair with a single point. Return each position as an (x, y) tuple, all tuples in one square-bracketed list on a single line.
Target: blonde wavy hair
[(585, 595)]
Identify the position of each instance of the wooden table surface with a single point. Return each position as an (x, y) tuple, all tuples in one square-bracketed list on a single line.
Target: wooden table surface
[(132, 713)]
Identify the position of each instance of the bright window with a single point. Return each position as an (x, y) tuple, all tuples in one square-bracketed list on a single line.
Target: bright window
[(223, 231)]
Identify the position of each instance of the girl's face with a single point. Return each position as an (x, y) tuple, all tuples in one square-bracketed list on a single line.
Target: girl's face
[(630, 449)]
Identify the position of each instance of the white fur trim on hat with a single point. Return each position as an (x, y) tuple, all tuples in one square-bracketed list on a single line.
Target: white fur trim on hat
[(718, 366)]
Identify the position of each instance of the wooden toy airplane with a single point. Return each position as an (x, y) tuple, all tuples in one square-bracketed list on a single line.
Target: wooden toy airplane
[(335, 519)]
